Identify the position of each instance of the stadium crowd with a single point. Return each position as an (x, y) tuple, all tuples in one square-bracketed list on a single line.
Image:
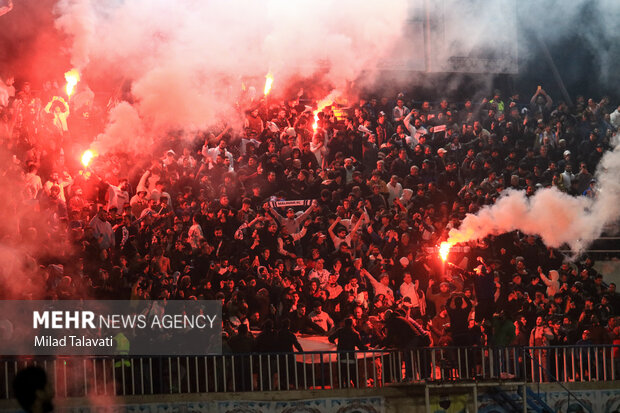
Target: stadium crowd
[(298, 227)]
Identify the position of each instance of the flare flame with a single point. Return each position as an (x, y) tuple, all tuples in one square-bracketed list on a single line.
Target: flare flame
[(268, 83), (444, 250), (72, 77), (327, 101), (87, 157)]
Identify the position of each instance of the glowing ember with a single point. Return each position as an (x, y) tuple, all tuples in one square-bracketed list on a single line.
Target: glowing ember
[(87, 156), (72, 77), (268, 83), (444, 250)]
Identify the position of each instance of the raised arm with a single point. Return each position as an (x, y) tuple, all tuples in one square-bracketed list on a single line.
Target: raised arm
[(299, 235), (534, 96), (221, 135), (307, 212), (373, 280), (275, 213), (468, 303), (330, 230), (543, 277), (50, 103), (407, 121), (549, 100), (282, 251), (142, 184), (357, 225)]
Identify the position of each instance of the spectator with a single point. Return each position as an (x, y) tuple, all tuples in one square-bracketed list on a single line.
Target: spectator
[(33, 391), (321, 318), (383, 197), (347, 340)]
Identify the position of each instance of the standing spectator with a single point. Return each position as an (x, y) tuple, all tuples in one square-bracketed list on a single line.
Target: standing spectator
[(102, 230), (321, 318), (347, 340), (540, 336), (242, 343), (400, 111)]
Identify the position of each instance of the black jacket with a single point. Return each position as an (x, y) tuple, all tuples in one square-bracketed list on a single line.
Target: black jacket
[(348, 339)]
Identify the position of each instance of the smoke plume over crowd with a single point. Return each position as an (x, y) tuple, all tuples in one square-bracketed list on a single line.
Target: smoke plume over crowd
[(190, 64), (188, 61), (558, 218)]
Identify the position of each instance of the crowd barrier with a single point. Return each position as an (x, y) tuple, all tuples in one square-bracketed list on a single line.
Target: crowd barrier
[(93, 376)]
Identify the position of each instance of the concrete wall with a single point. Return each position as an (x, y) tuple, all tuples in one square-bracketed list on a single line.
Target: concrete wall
[(603, 397)]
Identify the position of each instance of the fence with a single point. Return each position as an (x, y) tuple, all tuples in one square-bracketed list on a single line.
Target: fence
[(89, 376)]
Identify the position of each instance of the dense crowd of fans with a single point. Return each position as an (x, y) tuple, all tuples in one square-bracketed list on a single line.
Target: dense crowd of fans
[(371, 193)]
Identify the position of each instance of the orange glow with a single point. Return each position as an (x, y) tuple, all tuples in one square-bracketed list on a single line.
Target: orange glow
[(268, 83), (72, 77), (444, 250), (87, 156), (322, 105)]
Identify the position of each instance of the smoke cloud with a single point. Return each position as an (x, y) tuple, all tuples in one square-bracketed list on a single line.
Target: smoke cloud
[(123, 133), (187, 59), (78, 20), (558, 218)]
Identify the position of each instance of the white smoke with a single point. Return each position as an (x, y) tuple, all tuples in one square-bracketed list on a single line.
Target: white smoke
[(187, 59), (123, 133), (78, 20), (556, 217)]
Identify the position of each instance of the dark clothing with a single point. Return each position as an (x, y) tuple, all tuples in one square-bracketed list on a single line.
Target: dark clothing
[(267, 342), (459, 318), (348, 339), (287, 342), (303, 324), (241, 343), (404, 333)]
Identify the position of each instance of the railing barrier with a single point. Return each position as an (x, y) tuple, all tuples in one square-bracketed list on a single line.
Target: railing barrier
[(128, 375)]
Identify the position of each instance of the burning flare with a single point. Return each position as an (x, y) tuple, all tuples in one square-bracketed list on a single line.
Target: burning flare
[(327, 101), (444, 250), (315, 125), (72, 77), (87, 157), (268, 83)]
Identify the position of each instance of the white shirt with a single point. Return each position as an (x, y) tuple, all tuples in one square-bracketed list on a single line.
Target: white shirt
[(398, 112), (409, 290), (322, 275), (213, 152), (380, 288), (394, 192), (32, 185)]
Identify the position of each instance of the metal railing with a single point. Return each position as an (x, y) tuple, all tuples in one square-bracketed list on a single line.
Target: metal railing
[(89, 376), (537, 364)]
